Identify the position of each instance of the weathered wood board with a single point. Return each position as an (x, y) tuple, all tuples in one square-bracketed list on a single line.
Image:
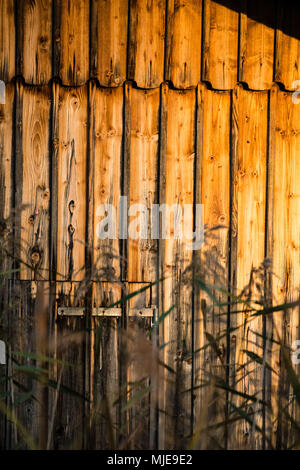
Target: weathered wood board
[(142, 256), (257, 44), (6, 149), (220, 44), (7, 40), (109, 41), (283, 247), (249, 154), (287, 45), (106, 128), (146, 43), (32, 173), (176, 188), (69, 181), (34, 24), (71, 41), (211, 262), (183, 59)]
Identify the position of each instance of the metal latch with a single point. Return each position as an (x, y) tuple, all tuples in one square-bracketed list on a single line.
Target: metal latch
[(71, 311), (2, 353), (147, 312), (106, 312), (142, 312), (96, 312)]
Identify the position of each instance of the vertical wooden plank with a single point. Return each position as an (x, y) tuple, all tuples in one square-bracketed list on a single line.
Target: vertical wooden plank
[(71, 46), (287, 45), (106, 139), (22, 338), (35, 41), (285, 229), (6, 193), (106, 127), (32, 198), (183, 61), (109, 41), (161, 434), (212, 267), (220, 52), (7, 40), (6, 129), (33, 182), (257, 44), (70, 137), (143, 182), (142, 253), (176, 332), (250, 112), (72, 116), (146, 42), (105, 370)]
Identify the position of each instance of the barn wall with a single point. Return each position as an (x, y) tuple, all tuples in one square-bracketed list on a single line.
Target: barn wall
[(164, 102)]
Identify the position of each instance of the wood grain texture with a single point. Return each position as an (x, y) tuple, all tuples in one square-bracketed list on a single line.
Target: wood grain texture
[(175, 264), (23, 322), (7, 40), (287, 46), (69, 337), (183, 60), (104, 371), (6, 133), (105, 178), (71, 47), (6, 203), (35, 41), (109, 41), (212, 262), (33, 180), (257, 44), (71, 178), (142, 249), (146, 42), (284, 248), (250, 111), (142, 252), (70, 348), (106, 127), (220, 51)]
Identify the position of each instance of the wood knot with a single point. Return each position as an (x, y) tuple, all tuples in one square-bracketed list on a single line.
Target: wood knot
[(43, 40), (46, 195), (71, 207), (71, 229), (221, 351), (35, 257)]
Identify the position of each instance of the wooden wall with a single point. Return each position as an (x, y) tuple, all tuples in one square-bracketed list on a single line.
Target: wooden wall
[(163, 101)]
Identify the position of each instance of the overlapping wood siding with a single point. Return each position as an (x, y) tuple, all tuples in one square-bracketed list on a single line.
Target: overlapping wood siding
[(218, 41), (175, 102)]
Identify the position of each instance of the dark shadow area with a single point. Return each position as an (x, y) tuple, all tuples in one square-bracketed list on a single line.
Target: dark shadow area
[(279, 14)]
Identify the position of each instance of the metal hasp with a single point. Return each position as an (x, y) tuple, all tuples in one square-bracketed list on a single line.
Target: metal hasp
[(142, 312), (71, 311), (148, 312), (106, 312), (96, 312)]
